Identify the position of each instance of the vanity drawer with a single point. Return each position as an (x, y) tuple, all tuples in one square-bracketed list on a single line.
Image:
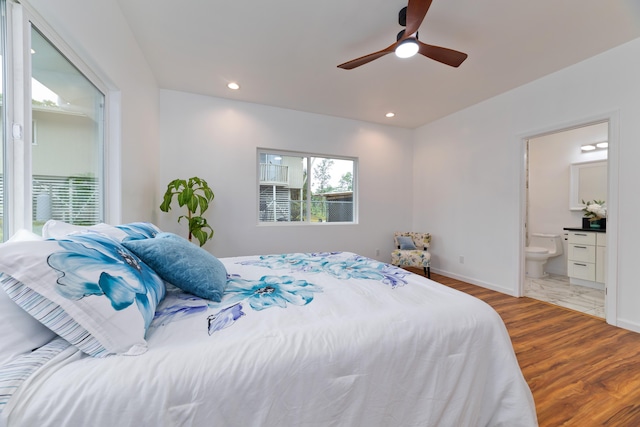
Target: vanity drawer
[(582, 270), (583, 253), (582, 238)]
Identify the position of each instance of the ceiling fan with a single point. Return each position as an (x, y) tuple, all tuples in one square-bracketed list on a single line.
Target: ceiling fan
[(407, 43)]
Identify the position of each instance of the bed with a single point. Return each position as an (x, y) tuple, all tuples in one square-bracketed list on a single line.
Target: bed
[(303, 339)]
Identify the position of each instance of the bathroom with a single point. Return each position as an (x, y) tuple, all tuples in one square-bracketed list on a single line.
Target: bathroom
[(555, 191)]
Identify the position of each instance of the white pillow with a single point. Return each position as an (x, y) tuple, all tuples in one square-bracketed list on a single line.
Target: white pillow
[(24, 235), (20, 332), (87, 288)]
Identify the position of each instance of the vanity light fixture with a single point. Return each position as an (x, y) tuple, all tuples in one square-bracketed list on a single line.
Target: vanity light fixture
[(233, 86), (602, 145), (390, 114)]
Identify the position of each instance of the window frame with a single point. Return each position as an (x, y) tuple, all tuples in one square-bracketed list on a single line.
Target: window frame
[(18, 212), (307, 201)]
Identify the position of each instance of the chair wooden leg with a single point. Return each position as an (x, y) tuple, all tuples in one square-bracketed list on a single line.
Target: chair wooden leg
[(427, 272)]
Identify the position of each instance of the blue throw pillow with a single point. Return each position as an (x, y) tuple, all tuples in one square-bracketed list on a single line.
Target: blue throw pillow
[(183, 264), (406, 243)]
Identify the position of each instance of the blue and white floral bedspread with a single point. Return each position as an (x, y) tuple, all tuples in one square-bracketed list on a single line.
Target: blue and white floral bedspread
[(299, 339)]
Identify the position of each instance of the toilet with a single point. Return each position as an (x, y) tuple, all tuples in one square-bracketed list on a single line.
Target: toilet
[(541, 248)]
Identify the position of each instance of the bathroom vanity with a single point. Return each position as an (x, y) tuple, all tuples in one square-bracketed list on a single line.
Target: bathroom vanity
[(586, 260)]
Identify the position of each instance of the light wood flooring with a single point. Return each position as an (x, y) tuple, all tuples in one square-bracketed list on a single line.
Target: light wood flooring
[(581, 371)]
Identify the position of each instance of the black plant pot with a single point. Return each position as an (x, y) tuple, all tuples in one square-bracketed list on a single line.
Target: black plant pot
[(600, 224)]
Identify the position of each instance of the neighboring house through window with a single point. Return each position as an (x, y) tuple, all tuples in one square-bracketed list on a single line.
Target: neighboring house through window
[(298, 187)]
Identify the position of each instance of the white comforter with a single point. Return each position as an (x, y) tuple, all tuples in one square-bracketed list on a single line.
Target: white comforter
[(298, 340)]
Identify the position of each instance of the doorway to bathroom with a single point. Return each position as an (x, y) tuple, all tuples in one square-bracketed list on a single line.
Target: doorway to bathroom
[(562, 166)]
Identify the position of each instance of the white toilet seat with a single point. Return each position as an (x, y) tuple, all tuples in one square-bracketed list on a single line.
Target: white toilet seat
[(536, 250)]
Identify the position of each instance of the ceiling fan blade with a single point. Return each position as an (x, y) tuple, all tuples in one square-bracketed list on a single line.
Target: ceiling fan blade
[(442, 54), (416, 11), (349, 65)]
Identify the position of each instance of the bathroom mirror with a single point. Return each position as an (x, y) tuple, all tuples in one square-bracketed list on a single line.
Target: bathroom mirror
[(588, 182)]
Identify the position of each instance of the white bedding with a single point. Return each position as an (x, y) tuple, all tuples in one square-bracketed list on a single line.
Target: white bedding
[(298, 340)]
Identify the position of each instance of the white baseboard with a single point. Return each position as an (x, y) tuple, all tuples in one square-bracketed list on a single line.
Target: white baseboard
[(625, 324), (473, 281)]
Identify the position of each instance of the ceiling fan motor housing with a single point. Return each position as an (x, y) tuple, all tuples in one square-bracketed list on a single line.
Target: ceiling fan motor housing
[(401, 33), (402, 17)]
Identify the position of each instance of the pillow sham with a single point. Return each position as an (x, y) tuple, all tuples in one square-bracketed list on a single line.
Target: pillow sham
[(406, 243), (54, 229), (87, 288), (183, 264), (20, 332)]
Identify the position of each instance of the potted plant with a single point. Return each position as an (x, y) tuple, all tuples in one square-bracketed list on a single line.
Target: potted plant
[(595, 213), (196, 195)]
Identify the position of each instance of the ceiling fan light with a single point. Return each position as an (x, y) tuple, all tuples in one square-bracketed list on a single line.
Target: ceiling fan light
[(407, 48)]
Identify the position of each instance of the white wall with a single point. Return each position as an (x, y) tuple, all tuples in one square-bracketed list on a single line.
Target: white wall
[(468, 168), (98, 32), (550, 158), (217, 140)]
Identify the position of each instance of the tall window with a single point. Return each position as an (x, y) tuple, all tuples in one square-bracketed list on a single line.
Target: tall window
[(55, 169), (295, 187), (67, 159)]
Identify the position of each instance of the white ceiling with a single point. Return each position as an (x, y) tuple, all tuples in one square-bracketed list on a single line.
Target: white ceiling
[(284, 53)]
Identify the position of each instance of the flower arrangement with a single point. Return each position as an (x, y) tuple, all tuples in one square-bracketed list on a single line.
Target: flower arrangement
[(594, 210)]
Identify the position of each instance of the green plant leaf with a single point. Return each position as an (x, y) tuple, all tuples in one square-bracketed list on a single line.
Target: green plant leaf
[(184, 197), (203, 203), (166, 202)]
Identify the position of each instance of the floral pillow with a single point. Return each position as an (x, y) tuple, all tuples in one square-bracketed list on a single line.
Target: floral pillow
[(87, 288), (54, 229)]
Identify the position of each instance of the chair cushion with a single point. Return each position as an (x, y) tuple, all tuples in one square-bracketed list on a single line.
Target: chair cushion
[(413, 258)]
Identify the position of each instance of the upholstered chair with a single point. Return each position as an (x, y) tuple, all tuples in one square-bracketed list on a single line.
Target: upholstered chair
[(412, 250)]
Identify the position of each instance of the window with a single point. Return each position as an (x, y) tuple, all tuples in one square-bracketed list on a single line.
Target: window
[(60, 175), (66, 164), (296, 187)]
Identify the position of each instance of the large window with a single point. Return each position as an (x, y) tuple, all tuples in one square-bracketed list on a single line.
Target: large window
[(59, 111), (295, 187)]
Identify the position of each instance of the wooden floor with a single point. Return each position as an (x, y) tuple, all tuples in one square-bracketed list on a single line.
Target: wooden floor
[(581, 371)]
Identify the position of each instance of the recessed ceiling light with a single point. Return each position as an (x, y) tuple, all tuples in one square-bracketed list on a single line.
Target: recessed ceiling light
[(588, 147), (233, 86), (390, 114), (603, 144)]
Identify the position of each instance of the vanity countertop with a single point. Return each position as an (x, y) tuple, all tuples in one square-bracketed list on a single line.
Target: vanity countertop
[(594, 230)]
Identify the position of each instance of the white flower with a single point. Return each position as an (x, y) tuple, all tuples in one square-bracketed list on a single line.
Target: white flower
[(595, 210)]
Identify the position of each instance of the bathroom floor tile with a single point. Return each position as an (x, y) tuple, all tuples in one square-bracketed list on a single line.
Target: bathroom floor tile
[(557, 290)]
